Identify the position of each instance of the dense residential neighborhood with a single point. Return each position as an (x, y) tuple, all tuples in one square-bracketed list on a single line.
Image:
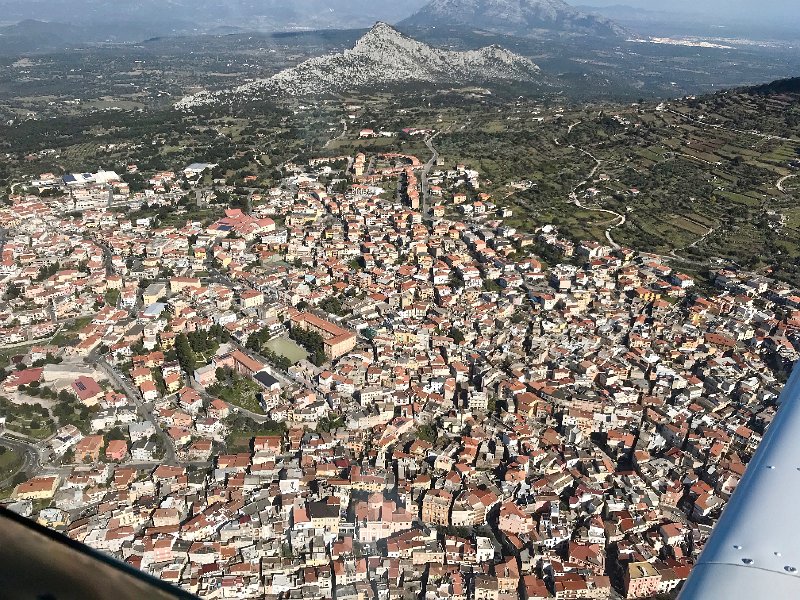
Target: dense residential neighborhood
[(364, 384)]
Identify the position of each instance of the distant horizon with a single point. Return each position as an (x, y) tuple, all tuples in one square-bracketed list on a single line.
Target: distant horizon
[(764, 12), (761, 20)]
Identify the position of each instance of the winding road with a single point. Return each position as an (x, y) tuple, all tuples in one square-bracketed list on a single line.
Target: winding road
[(674, 253), (340, 136), (765, 136), (621, 219)]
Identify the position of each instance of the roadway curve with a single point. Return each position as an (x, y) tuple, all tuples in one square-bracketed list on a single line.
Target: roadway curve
[(674, 253), (340, 136), (783, 180), (31, 462)]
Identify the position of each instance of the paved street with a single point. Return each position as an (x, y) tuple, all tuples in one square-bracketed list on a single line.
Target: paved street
[(133, 394), (31, 460)]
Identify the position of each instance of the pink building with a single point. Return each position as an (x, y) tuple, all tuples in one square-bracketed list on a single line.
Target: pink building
[(116, 450)]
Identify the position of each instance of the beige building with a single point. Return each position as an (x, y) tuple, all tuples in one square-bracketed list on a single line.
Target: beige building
[(153, 292), (324, 516), (251, 299), (641, 580), (38, 488), (338, 341), (436, 507), (178, 284)]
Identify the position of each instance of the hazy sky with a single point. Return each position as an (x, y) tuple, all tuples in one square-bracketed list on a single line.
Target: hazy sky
[(746, 15)]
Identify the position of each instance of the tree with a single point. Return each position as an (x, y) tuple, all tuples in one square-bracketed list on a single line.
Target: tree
[(186, 356), (456, 335), (222, 374), (312, 342), (332, 305), (112, 297), (13, 291), (427, 432), (116, 434)]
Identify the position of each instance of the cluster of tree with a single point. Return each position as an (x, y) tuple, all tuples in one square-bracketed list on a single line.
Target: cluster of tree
[(312, 342), (225, 375), (208, 341), (69, 411), (456, 335), (257, 339), (36, 390), (333, 305), (184, 353), (239, 424), (328, 423), (428, 432), (136, 183), (21, 411), (48, 271), (112, 297), (158, 380), (13, 291), (49, 359), (205, 342), (115, 434), (276, 359), (160, 450)]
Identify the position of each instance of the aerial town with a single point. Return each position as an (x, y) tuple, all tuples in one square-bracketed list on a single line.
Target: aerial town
[(364, 385)]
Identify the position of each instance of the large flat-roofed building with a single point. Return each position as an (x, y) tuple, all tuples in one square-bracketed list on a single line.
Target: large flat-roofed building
[(153, 292), (338, 341)]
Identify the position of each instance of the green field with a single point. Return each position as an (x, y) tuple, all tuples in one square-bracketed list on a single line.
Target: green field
[(288, 349), (10, 461)]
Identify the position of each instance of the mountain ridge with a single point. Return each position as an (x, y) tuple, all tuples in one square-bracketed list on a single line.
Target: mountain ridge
[(382, 57), (513, 17)]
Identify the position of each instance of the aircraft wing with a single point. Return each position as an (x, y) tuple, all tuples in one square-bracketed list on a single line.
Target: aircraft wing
[(754, 550)]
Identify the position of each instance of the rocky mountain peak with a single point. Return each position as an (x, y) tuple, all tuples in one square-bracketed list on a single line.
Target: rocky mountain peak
[(382, 58)]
